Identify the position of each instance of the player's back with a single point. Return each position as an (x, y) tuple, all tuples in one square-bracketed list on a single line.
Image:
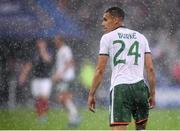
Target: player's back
[(126, 50)]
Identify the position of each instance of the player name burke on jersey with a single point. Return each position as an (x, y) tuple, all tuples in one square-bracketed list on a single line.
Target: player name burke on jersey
[(127, 36)]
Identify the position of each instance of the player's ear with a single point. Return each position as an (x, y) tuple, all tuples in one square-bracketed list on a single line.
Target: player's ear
[(116, 20)]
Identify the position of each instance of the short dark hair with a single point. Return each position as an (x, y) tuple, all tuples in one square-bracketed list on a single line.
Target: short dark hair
[(116, 12)]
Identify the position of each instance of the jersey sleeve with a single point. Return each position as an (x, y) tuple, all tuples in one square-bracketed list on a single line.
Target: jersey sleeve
[(147, 49), (104, 47), (68, 54)]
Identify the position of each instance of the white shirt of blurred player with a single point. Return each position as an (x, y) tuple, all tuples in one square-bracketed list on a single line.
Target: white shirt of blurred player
[(127, 73), (64, 55)]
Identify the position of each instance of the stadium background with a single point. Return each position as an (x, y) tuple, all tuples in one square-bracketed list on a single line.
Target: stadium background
[(22, 21)]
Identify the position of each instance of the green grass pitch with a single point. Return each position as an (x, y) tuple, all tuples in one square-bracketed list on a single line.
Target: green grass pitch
[(25, 119)]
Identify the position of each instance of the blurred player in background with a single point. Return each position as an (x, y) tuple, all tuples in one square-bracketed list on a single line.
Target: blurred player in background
[(40, 66), (63, 76), (129, 52)]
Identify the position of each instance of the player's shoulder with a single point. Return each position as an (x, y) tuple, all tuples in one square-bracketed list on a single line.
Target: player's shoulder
[(139, 34), (65, 47), (105, 35), (135, 31), (108, 36)]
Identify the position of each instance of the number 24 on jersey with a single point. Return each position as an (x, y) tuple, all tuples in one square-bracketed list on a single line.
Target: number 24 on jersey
[(132, 51)]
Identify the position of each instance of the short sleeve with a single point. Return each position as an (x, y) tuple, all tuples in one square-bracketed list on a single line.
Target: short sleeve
[(104, 46), (147, 49)]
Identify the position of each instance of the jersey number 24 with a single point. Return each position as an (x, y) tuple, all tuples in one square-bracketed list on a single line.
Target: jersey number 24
[(133, 51)]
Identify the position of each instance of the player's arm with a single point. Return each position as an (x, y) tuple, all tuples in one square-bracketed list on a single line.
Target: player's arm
[(151, 78), (25, 70), (99, 72)]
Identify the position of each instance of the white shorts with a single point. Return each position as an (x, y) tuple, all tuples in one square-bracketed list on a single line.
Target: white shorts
[(41, 87)]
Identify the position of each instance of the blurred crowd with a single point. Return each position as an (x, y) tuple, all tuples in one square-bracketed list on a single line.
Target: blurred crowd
[(158, 20)]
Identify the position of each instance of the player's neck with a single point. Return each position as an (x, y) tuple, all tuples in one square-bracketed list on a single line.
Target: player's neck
[(60, 45), (119, 26)]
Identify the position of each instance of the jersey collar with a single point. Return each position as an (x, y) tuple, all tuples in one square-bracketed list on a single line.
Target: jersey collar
[(120, 27)]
